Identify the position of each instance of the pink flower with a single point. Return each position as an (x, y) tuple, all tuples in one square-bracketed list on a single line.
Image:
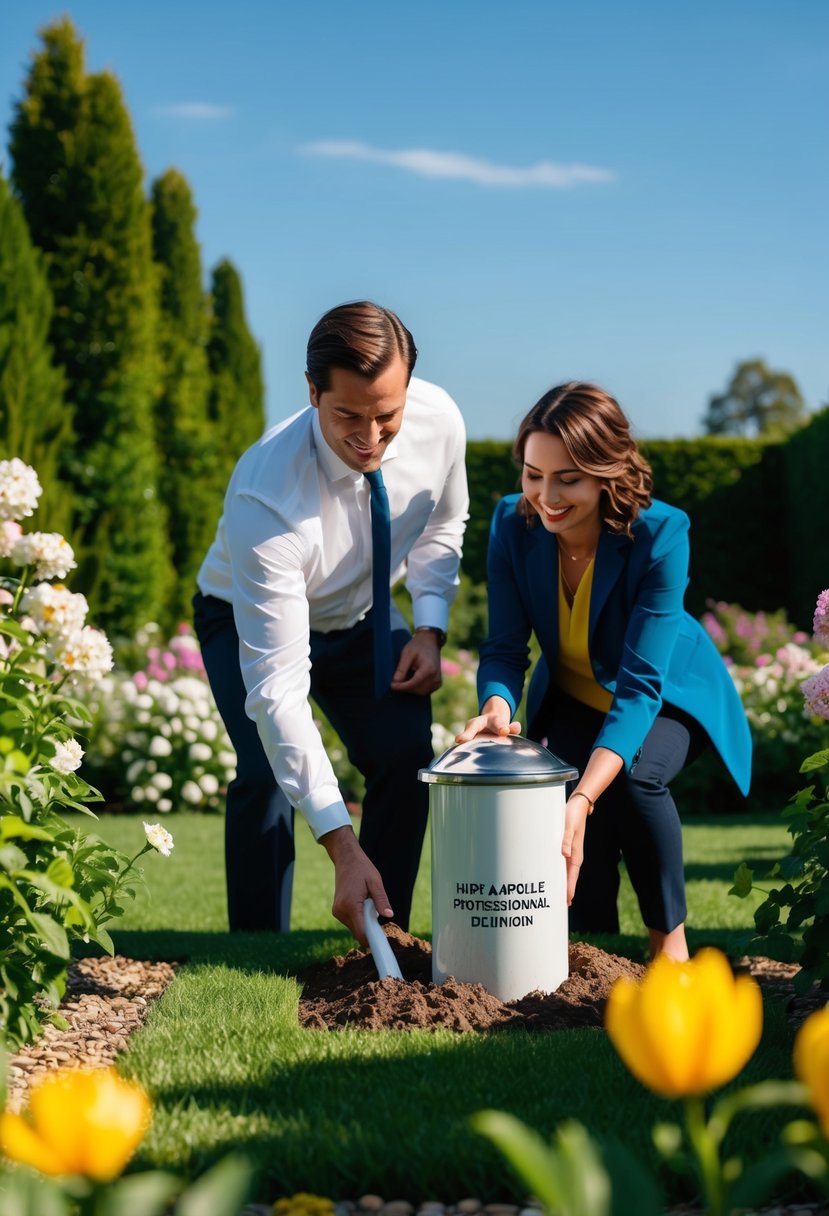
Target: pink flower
[(816, 694), (183, 628), (169, 660), (821, 622), (140, 680), (762, 660), (449, 668), (800, 637), (9, 532), (6, 597)]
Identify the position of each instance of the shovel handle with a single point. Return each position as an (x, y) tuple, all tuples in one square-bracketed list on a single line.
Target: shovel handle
[(384, 960)]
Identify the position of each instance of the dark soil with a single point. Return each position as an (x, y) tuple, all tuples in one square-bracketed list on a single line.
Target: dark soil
[(345, 992)]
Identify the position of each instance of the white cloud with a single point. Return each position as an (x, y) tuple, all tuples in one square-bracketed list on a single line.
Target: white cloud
[(428, 163), (194, 109)]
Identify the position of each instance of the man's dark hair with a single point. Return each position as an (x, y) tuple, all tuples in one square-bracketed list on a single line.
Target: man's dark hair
[(361, 337)]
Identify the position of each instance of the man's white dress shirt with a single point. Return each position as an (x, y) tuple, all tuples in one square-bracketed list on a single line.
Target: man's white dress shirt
[(293, 553)]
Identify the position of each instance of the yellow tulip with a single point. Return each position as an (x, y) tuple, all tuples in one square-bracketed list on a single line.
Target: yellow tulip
[(687, 1028), (811, 1063), (79, 1122)]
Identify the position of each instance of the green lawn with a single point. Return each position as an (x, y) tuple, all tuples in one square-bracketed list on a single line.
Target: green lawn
[(344, 1113)]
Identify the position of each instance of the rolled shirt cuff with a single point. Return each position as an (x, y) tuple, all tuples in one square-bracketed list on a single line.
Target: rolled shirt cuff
[(324, 810), (431, 610)]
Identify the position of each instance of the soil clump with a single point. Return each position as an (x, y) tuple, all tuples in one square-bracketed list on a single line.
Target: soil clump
[(345, 992)]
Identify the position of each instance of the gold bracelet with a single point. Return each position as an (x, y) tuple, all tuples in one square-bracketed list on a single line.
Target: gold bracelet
[(590, 803)]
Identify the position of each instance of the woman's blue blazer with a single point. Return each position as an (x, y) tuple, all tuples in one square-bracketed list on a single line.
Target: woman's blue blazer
[(644, 647)]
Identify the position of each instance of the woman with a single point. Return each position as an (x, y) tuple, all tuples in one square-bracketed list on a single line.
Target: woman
[(629, 687)]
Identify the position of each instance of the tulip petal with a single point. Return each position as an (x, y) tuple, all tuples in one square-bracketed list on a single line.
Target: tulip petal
[(624, 1026), (688, 1027), (20, 1142), (116, 1123), (93, 1119), (811, 1062)]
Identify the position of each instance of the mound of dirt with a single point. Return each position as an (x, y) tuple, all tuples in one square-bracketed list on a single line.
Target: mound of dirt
[(346, 993)]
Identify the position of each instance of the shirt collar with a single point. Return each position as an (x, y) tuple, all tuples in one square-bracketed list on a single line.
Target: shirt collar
[(334, 468)]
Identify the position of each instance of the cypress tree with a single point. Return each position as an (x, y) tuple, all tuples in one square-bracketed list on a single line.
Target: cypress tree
[(35, 423), (77, 172), (184, 435), (237, 396)]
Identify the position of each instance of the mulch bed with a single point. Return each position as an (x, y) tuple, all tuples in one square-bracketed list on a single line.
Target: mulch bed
[(106, 1000)]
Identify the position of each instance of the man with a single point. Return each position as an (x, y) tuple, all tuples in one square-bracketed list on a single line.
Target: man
[(294, 600)]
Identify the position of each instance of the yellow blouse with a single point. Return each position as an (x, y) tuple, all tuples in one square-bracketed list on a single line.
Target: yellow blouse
[(574, 673)]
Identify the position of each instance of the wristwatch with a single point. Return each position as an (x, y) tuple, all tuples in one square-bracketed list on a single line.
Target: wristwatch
[(432, 629)]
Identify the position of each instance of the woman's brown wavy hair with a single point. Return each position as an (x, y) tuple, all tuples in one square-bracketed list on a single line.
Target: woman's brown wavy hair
[(591, 425)]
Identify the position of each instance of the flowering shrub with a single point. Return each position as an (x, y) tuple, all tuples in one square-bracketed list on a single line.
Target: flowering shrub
[(793, 920), (57, 883), (768, 660), (158, 741)]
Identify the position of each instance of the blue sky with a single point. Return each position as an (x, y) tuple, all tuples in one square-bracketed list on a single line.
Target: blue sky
[(629, 192)]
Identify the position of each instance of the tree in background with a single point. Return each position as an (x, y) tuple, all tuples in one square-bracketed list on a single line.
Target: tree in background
[(237, 398), (184, 434), (35, 422), (77, 173), (757, 401)]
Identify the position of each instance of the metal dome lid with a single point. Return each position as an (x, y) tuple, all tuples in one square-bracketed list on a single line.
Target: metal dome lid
[(498, 760)]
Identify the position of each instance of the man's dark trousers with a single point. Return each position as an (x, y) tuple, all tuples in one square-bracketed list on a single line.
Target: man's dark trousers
[(388, 740)]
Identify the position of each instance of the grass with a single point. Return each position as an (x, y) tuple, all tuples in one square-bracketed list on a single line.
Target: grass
[(344, 1113)]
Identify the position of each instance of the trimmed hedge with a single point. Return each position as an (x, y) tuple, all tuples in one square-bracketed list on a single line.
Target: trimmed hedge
[(759, 513)]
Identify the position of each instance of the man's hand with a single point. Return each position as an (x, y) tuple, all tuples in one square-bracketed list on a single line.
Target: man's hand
[(355, 881), (418, 669)]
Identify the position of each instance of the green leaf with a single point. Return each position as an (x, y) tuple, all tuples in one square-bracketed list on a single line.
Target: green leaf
[(147, 1194), (100, 935), (567, 1176), (222, 1191), (12, 858), (52, 935), (12, 827), (629, 1178), (818, 760), (60, 872), (743, 881)]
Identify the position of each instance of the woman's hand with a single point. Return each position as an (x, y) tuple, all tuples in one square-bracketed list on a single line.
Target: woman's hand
[(572, 845), (494, 719)]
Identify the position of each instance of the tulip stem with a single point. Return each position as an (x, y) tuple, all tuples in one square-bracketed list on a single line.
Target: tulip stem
[(706, 1152)]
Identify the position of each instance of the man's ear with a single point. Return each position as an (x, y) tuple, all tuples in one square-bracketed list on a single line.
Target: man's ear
[(313, 392)]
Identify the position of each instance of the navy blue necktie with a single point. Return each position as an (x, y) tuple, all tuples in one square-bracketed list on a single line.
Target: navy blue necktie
[(380, 582)]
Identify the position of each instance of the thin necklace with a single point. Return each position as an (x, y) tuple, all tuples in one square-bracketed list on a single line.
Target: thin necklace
[(570, 590), (573, 558)]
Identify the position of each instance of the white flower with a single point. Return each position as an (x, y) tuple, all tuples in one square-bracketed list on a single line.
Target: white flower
[(84, 652), (164, 804), (162, 781), (159, 838), (137, 794), (209, 784), (190, 792), (49, 553), (54, 609), (68, 756), (134, 771), (19, 489), (209, 730), (200, 751), (151, 793), (159, 746)]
